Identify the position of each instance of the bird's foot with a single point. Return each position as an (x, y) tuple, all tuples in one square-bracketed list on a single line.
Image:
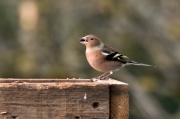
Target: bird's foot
[(100, 78), (96, 79), (105, 78)]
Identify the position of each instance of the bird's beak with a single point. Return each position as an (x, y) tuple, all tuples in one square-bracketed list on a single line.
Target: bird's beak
[(83, 40)]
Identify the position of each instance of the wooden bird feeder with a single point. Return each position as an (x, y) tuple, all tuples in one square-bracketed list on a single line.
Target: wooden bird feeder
[(63, 99)]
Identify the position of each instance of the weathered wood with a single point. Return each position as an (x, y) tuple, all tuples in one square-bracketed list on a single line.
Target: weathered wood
[(63, 99), (119, 102)]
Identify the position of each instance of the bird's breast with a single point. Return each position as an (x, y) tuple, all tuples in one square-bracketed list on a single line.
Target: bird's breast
[(98, 61), (95, 58)]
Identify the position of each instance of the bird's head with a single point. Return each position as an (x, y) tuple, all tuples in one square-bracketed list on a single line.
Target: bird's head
[(90, 41)]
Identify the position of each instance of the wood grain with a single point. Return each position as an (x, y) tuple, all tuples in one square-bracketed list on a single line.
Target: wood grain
[(61, 99)]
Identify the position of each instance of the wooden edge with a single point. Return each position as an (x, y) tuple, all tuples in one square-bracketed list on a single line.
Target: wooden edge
[(119, 101), (12, 80)]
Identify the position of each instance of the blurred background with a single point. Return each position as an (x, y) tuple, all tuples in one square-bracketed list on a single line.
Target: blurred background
[(40, 39)]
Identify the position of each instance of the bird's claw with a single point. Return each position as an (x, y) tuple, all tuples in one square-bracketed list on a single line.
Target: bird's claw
[(104, 78), (100, 78)]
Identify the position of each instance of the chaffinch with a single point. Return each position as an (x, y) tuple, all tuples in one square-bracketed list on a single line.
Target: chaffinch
[(103, 58)]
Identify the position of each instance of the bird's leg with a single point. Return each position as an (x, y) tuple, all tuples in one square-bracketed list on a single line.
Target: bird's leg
[(105, 77), (100, 77)]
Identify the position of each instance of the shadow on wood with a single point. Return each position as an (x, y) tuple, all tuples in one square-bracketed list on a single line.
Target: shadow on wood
[(63, 99)]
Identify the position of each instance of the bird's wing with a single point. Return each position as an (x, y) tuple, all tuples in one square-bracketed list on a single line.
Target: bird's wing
[(113, 55)]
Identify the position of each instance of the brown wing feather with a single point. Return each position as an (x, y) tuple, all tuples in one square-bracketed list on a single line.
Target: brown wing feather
[(114, 55)]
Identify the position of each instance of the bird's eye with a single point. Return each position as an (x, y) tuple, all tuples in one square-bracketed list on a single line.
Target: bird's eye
[(92, 38)]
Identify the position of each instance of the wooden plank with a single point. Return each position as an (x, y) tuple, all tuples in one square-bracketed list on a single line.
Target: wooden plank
[(119, 101), (61, 99)]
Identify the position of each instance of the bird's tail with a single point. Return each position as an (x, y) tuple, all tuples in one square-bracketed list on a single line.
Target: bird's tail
[(138, 64)]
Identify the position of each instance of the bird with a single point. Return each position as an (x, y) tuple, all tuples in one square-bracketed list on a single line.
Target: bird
[(104, 58)]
